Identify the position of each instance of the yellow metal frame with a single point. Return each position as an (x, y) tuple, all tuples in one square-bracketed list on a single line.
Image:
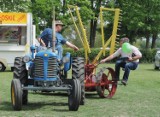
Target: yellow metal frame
[(112, 39), (114, 32), (101, 52), (83, 37)]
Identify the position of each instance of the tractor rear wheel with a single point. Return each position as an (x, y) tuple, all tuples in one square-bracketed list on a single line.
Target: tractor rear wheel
[(21, 73), (107, 83), (78, 73), (75, 95), (16, 94)]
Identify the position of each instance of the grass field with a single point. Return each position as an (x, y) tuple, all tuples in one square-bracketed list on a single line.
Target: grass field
[(140, 98)]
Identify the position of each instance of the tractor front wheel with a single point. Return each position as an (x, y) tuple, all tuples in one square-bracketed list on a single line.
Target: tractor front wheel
[(16, 94), (75, 95), (21, 73)]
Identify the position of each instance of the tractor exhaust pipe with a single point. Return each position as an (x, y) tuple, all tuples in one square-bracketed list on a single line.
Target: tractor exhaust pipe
[(53, 30)]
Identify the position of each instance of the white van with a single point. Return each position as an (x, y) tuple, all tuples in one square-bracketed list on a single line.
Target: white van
[(16, 35)]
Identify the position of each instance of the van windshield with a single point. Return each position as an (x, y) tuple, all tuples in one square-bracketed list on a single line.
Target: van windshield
[(11, 35)]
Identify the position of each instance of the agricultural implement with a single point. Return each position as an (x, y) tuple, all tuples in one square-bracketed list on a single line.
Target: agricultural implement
[(103, 81)]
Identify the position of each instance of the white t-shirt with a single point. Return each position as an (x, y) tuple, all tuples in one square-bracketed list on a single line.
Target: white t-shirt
[(135, 51)]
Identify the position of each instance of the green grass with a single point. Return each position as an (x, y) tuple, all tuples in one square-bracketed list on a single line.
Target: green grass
[(140, 98)]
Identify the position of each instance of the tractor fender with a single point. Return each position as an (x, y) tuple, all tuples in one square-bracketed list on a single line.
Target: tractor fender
[(67, 65)]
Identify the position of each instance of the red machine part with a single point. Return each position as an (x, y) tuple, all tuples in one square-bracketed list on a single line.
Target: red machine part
[(103, 82), (107, 83)]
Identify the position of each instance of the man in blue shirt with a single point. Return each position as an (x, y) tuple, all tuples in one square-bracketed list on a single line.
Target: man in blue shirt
[(45, 39)]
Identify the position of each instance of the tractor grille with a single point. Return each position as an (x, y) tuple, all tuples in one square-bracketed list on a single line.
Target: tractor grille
[(51, 67)]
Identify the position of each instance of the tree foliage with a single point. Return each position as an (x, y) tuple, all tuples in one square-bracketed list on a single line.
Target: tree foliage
[(42, 11), (14, 5), (141, 18)]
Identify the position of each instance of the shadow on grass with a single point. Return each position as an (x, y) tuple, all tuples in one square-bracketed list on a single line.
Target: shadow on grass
[(62, 94), (38, 105), (88, 95), (61, 110), (153, 70), (7, 106), (93, 95), (7, 71)]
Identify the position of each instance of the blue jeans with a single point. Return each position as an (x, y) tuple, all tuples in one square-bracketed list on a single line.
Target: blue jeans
[(60, 52), (127, 67)]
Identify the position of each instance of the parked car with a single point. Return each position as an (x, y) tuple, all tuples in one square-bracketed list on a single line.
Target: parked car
[(157, 60)]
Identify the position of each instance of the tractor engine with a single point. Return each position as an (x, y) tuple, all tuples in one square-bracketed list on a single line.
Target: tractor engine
[(45, 69)]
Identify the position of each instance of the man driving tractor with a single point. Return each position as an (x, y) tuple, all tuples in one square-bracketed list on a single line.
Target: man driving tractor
[(45, 39)]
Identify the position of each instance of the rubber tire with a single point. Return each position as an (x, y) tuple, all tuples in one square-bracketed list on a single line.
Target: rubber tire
[(75, 95), (3, 67), (16, 92), (78, 72), (21, 73), (12, 69), (155, 67)]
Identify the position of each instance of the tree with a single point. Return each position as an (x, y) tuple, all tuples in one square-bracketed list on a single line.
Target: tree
[(95, 6), (89, 10), (42, 12), (14, 5), (140, 18), (155, 23)]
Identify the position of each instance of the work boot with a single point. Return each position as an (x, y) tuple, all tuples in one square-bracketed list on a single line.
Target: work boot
[(124, 82)]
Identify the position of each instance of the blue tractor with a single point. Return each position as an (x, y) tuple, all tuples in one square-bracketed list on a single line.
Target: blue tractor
[(44, 72)]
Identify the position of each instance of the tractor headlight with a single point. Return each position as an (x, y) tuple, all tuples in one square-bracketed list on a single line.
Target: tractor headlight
[(26, 59)]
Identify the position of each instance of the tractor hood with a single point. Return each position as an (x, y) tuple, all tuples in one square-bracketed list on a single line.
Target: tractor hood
[(46, 54)]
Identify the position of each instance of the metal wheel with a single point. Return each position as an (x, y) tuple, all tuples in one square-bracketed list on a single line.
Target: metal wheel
[(16, 94), (107, 86), (75, 95)]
